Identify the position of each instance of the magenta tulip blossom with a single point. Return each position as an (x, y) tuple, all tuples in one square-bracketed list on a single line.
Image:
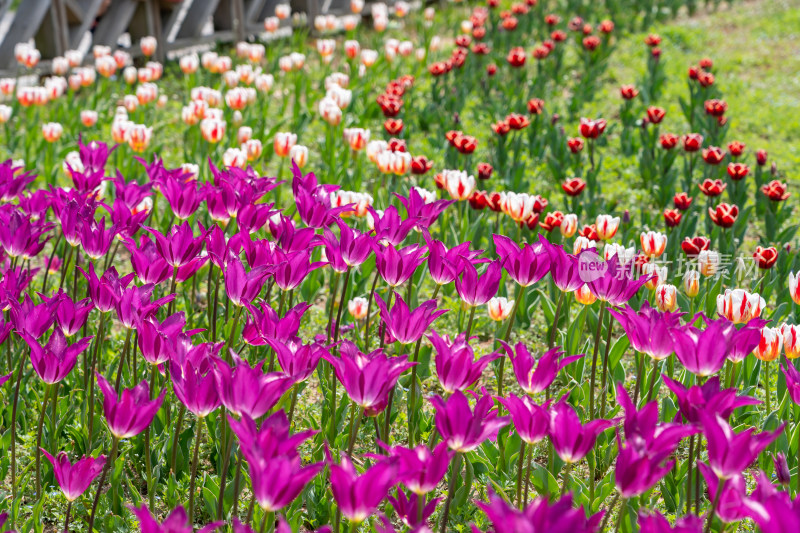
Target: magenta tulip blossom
[(423, 212), (55, 360), (456, 366), (266, 324), (617, 285), (389, 227), (476, 290), (241, 286), (445, 265), (564, 268), (367, 378), (572, 440), (279, 480), (147, 263), (195, 386), (293, 268), (648, 330), (707, 398), (535, 375), (155, 337), (531, 420), (792, 380), (404, 325), (105, 291), (179, 246), (248, 390), (731, 506), (771, 509), (268, 440), (34, 319), (71, 316), (358, 495), (525, 265), (654, 522), (297, 361), (421, 469), (462, 428), (540, 515), (176, 522), (406, 507), (74, 479), (130, 413), (704, 352), (730, 453), (397, 265)]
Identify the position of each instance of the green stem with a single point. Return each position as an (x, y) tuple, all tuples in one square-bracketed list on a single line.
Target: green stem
[(520, 468), (454, 470), (97, 343), (604, 381), (197, 439), (39, 442), (507, 336), (717, 496), (111, 458), (469, 322), (600, 317), (178, 429), (565, 480)]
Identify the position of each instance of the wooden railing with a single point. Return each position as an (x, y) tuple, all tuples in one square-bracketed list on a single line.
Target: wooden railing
[(56, 26)]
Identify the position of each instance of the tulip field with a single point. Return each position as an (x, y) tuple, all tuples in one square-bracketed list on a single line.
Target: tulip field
[(491, 266)]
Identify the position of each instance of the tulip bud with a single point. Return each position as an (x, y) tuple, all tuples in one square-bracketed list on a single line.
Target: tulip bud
[(691, 283), (500, 308), (653, 243), (791, 340), (584, 295), (769, 346), (569, 225), (794, 290), (782, 469), (357, 307), (740, 306), (666, 297)]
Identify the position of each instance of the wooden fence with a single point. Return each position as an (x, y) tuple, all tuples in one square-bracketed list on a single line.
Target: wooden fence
[(60, 25)]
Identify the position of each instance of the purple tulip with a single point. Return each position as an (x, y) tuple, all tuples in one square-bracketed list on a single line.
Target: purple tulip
[(74, 479), (13, 182), (424, 213), (94, 155), (54, 361), (147, 263), (176, 522), (367, 378), (32, 319), (389, 227), (643, 430), (564, 268), (773, 510), (456, 366), (407, 509), (358, 495), (269, 440), (420, 469), (781, 468), (19, 237), (572, 441), (315, 208), (297, 361), (351, 249), (195, 386), (534, 375), (397, 265), (179, 247), (445, 265), (539, 515), (95, 239), (745, 339), (617, 285), (106, 291), (704, 352), (462, 428), (730, 453), (134, 305), (289, 237), (730, 507), (155, 337), (132, 412), (5, 378), (792, 380), (248, 390), (476, 290), (707, 398), (653, 522), (404, 325), (243, 287), (531, 420), (182, 194), (293, 269), (525, 265), (266, 324), (70, 315), (13, 282), (648, 330)]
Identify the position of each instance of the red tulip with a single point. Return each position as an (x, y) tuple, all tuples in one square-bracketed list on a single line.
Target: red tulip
[(706, 63), (692, 142), (736, 148), (692, 246), (517, 121), (712, 188), (655, 114), (516, 57), (652, 40), (713, 155), (535, 106), (628, 92), (501, 128), (393, 126), (484, 171), (552, 220), (491, 69), (478, 200), (766, 257), (672, 217), (737, 171), (761, 157), (592, 129), (591, 43), (668, 141), (716, 108), (573, 186), (590, 232), (682, 201), (775, 191), (420, 165), (724, 215), (575, 144), (705, 79)]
